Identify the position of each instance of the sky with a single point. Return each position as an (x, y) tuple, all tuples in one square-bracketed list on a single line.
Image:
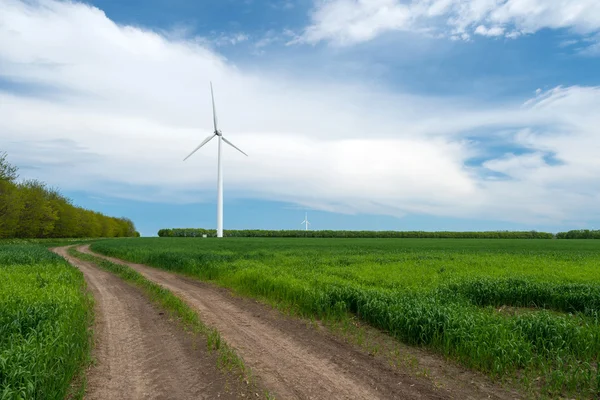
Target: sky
[(377, 115)]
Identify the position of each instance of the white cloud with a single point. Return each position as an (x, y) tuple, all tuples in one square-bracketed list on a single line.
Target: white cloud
[(348, 21), (493, 31), (230, 39), (353, 21), (122, 106), (591, 46)]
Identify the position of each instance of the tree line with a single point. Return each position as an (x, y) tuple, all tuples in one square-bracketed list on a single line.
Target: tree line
[(30, 209), (579, 234), (193, 232)]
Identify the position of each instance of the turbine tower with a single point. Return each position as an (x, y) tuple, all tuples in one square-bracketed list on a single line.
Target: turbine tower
[(305, 222), (218, 134)]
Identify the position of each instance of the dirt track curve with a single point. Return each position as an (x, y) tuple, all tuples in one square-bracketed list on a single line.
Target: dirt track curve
[(293, 360), (139, 353)]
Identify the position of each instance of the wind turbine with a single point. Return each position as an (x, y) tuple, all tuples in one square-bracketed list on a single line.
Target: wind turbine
[(305, 222), (218, 134)]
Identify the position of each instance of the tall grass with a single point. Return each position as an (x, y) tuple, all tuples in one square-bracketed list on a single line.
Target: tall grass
[(442, 295), (45, 317)]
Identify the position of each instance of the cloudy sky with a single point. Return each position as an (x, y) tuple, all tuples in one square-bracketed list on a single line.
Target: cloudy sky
[(368, 114)]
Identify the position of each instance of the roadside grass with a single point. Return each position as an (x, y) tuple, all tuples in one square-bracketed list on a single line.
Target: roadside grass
[(440, 294), (46, 319), (227, 359), (46, 243)]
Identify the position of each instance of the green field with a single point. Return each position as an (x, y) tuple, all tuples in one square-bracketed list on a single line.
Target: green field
[(44, 320), (525, 310)]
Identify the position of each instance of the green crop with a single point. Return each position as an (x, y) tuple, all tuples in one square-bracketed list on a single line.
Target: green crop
[(45, 316), (525, 310)]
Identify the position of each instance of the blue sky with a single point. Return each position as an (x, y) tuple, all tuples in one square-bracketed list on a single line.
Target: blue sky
[(381, 114)]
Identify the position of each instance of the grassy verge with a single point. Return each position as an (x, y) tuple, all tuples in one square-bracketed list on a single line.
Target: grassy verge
[(228, 360), (47, 243), (46, 316)]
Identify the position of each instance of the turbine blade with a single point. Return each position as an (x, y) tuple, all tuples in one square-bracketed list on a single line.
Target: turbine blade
[(232, 145), (201, 144), (212, 95)]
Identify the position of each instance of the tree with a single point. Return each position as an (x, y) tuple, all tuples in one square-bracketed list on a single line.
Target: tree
[(37, 217), (7, 172), (66, 224), (10, 199), (10, 208)]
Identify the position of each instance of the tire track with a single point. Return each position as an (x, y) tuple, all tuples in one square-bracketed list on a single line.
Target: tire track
[(140, 354)]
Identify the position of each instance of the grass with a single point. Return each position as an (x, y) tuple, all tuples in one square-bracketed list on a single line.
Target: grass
[(45, 320), (227, 358), (441, 294), (46, 243)]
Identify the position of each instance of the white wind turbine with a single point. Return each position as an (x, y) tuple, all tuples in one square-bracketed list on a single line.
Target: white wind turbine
[(218, 134), (305, 222)]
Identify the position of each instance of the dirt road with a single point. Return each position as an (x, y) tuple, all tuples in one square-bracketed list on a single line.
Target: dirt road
[(293, 360), (139, 353)]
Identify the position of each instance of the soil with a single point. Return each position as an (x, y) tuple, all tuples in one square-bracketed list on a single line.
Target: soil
[(296, 360), (140, 353)]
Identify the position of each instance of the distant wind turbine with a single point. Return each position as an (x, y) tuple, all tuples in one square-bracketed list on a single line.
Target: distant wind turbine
[(305, 222), (219, 134)]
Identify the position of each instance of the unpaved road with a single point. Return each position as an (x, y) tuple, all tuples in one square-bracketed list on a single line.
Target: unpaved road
[(291, 359), (139, 353)]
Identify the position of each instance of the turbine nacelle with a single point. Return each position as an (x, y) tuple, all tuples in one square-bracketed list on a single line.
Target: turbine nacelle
[(216, 132)]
